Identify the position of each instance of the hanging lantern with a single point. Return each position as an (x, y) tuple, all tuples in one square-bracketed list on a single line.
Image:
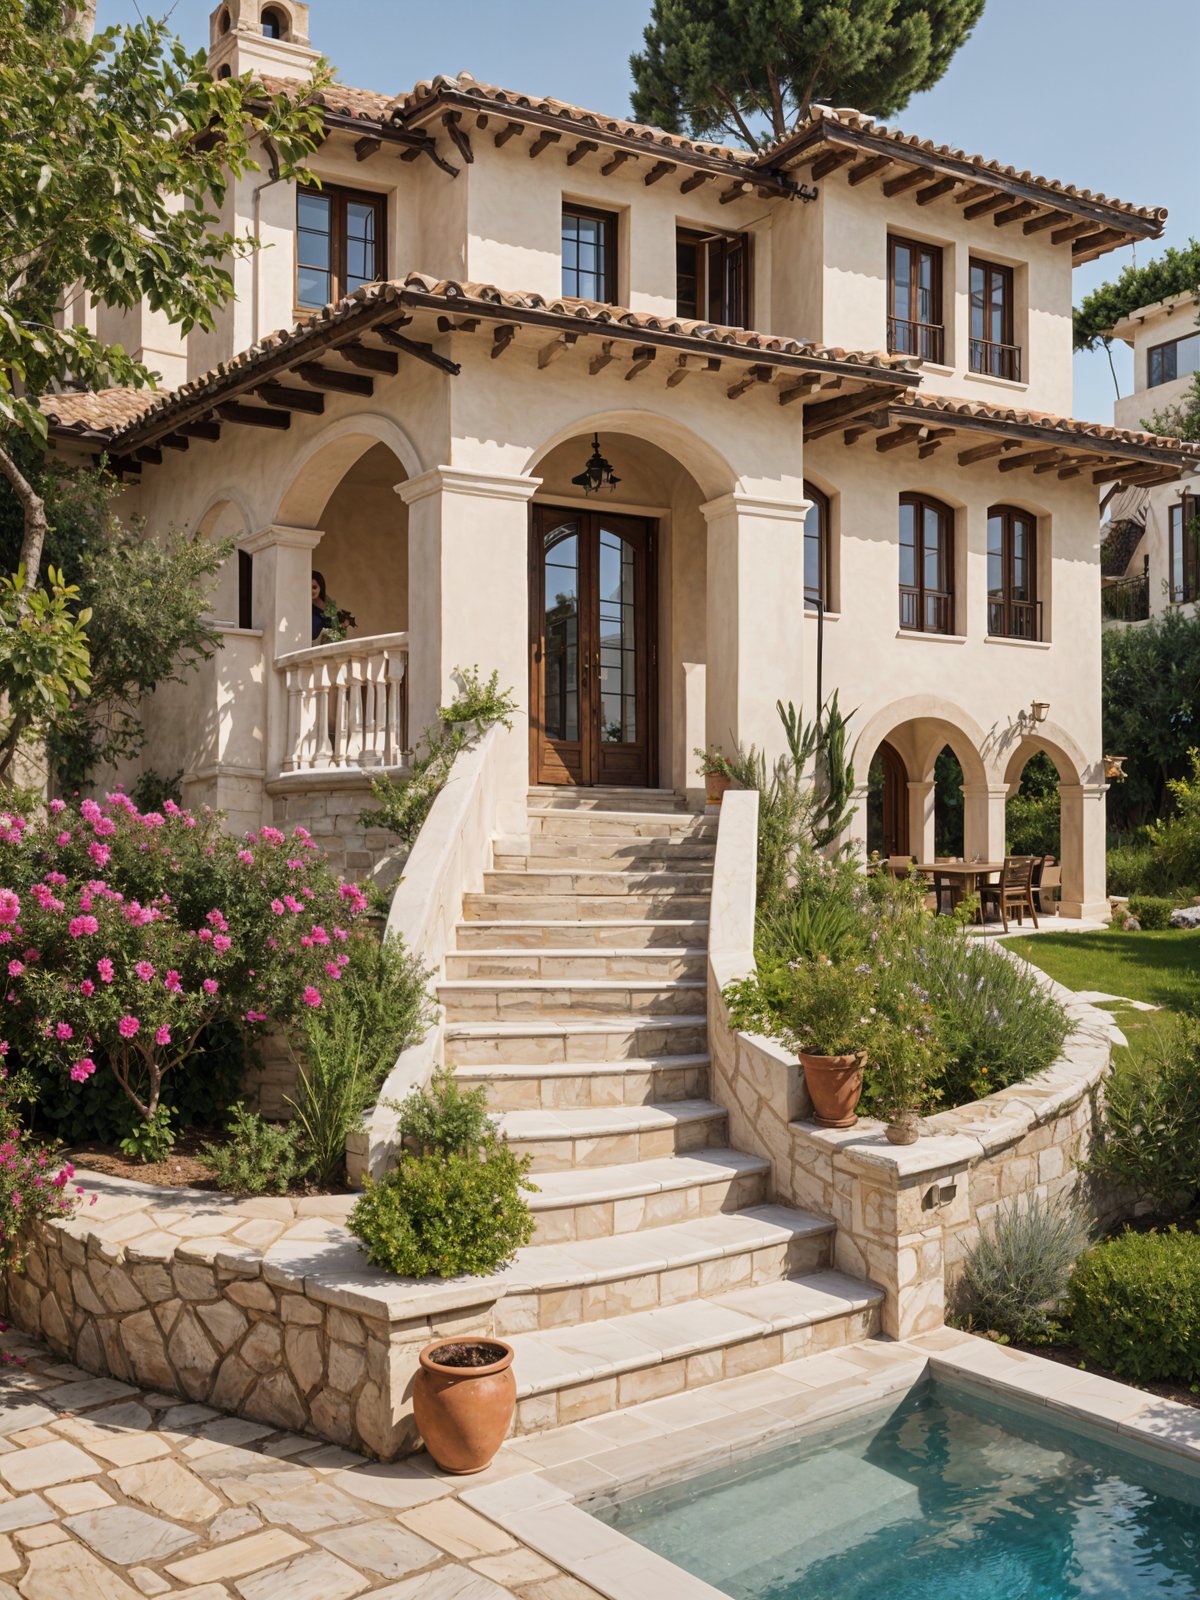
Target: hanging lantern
[(598, 474)]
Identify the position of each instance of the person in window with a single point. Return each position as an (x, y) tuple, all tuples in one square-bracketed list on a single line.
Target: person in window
[(326, 618)]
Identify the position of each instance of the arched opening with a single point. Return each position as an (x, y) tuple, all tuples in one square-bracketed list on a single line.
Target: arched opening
[(888, 831), (1032, 813), (363, 554), (925, 781), (1045, 816), (274, 23), (223, 22), (949, 822)]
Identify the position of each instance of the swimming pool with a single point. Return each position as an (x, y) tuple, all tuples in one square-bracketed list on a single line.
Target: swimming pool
[(944, 1495)]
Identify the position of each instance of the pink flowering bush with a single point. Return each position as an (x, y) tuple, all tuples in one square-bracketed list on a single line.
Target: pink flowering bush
[(125, 935), (33, 1186)]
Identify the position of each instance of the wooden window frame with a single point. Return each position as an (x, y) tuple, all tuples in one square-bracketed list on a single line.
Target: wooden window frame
[(820, 500), (1007, 347), (714, 251), (340, 197), (1183, 538), (611, 297), (1157, 350), (922, 503), (936, 330), (1018, 619)]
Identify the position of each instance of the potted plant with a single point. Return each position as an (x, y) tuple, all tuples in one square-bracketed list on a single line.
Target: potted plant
[(463, 1401), (717, 776), (907, 1062)]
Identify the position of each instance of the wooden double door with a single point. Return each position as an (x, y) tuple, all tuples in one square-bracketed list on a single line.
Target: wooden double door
[(592, 608)]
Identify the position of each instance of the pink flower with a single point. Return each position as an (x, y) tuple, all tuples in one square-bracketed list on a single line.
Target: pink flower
[(171, 808), (171, 982), (217, 921), (104, 827), (292, 903), (204, 935), (246, 857), (144, 971), (353, 896), (90, 811), (312, 997), (128, 1026), (210, 986), (15, 968), (105, 968), (63, 838), (332, 969), (57, 807), (319, 936), (163, 1036), (78, 926), (64, 1031), (222, 944), (270, 835), (256, 1016), (87, 988), (99, 853), (10, 905), (277, 907), (80, 1072), (152, 819)]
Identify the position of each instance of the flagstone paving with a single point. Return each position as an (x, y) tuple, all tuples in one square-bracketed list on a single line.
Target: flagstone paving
[(112, 1493)]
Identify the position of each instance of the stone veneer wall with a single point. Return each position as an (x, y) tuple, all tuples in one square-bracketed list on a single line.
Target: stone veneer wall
[(329, 805), (905, 1215)]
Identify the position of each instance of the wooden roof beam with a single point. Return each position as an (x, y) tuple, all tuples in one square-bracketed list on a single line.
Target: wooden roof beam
[(289, 399), (448, 325), (502, 337), (984, 452), (201, 430), (695, 180), (741, 190), (458, 137), (361, 355), (685, 364), (415, 347), (548, 136), (1017, 213), (150, 453), (1067, 460), (1094, 244), (328, 378), (907, 433), (754, 376), (935, 191), (175, 441), (585, 147), (1049, 219), (828, 416), (657, 171), (982, 207), (507, 132), (616, 160), (1031, 458), (798, 391), (868, 168), (1075, 231), (1126, 471), (551, 352), (643, 355), (852, 435), (975, 192), (906, 180), (368, 146), (603, 358), (254, 416), (831, 161)]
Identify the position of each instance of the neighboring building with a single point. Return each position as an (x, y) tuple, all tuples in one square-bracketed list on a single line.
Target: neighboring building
[(487, 281), (1154, 542)]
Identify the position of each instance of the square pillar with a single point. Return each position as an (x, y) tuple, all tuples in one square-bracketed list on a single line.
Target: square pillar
[(1083, 843), (468, 602), (922, 834), (755, 620), (282, 608), (984, 821)]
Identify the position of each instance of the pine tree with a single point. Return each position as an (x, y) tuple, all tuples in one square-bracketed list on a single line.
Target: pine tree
[(748, 70)]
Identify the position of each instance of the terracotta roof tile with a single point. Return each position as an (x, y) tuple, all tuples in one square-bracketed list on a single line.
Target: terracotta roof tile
[(830, 119), (338, 97), (99, 408), (1095, 433)]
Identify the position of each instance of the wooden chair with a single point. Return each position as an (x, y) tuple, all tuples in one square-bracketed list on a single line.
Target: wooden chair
[(1014, 892), (1047, 888), (900, 866)]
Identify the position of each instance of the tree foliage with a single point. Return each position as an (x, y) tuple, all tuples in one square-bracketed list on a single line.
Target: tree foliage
[(748, 70), (1151, 679), (1176, 271)]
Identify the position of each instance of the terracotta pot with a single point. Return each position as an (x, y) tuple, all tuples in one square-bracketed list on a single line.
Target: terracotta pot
[(904, 1128), (835, 1086), (715, 788), (463, 1413)]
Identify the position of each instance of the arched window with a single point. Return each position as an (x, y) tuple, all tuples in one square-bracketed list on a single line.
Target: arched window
[(223, 22), (816, 548), (225, 72), (926, 565), (1014, 611), (274, 24)]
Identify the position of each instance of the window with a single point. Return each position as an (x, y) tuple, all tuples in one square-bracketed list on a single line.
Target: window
[(245, 589), (589, 254), (926, 565), (273, 24), (1184, 556), (992, 347), (339, 244), (1178, 358), (816, 548), (1013, 608), (712, 277), (915, 300)]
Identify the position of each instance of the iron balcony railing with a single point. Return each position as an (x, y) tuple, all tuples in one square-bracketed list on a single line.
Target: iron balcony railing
[(1014, 619), (926, 612), (996, 360), (924, 339), (1126, 600)]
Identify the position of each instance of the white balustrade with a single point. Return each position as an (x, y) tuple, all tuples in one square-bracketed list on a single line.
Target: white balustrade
[(347, 704)]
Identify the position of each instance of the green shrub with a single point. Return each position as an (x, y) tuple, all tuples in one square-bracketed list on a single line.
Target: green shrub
[(1134, 867), (1176, 839), (1149, 1140), (151, 1138), (1152, 911), (1015, 1276), (479, 701), (1134, 1306), (1031, 823), (258, 1157), (821, 1007), (453, 1202)]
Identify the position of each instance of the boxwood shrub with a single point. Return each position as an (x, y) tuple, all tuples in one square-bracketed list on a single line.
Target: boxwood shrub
[(1134, 1306), (1152, 911)]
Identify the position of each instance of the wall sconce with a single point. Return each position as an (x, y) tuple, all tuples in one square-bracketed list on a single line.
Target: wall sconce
[(1038, 711), (1114, 768), (598, 474)]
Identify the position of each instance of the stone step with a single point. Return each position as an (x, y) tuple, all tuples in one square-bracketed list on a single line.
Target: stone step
[(509, 999), (664, 964), (614, 797), (581, 933), (667, 905), (592, 854), (540, 882), (477, 1042), (515, 1086), (566, 1374), (559, 824), (556, 1284), (594, 1202), (608, 1135)]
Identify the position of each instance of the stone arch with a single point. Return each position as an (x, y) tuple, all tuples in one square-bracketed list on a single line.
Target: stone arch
[(930, 723), (326, 460), (701, 459), (226, 516), (1069, 760)]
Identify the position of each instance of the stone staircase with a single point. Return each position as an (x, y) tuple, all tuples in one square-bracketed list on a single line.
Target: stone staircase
[(577, 996)]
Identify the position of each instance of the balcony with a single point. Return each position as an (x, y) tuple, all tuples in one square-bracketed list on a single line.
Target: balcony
[(1014, 619), (926, 611), (347, 704), (1126, 600), (995, 360), (927, 340)]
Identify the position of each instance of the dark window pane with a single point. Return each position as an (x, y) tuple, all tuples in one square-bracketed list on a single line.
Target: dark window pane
[(314, 211)]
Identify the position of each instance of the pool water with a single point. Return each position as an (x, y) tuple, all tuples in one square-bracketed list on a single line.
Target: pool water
[(945, 1496)]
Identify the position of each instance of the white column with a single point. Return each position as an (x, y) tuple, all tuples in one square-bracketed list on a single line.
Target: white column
[(983, 821), (1083, 840), (755, 619), (922, 835), (283, 609), (468, 601)]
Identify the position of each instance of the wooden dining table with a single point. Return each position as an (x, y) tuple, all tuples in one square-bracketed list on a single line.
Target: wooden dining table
[(960, 877)]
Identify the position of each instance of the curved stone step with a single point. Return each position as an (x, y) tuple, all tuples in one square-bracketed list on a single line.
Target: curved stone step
[(565, 1374), (586, 1280), (601, 1136), (509, 999), (666, 963), (592, 1202), (580, 933), (594, 1040), (520, 1086)]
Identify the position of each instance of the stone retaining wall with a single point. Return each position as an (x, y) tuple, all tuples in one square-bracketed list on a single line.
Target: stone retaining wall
[(329, 805), (905, 1215)]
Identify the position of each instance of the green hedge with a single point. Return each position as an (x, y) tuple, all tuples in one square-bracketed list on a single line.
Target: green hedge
[(1152, 911), (1134, 1306)]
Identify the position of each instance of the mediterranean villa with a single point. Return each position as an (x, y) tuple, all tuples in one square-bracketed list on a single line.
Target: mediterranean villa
[(1150, 559)]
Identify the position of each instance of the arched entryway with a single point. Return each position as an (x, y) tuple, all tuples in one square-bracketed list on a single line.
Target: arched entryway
[(927, 785), (887, 804)]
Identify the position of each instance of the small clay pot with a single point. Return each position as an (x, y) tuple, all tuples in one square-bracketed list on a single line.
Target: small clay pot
[(904, 1128), (716, 787), (835, 1085), (464, 1412)]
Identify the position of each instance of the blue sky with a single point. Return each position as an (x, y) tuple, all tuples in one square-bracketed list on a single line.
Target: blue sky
[(1095, 92)]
